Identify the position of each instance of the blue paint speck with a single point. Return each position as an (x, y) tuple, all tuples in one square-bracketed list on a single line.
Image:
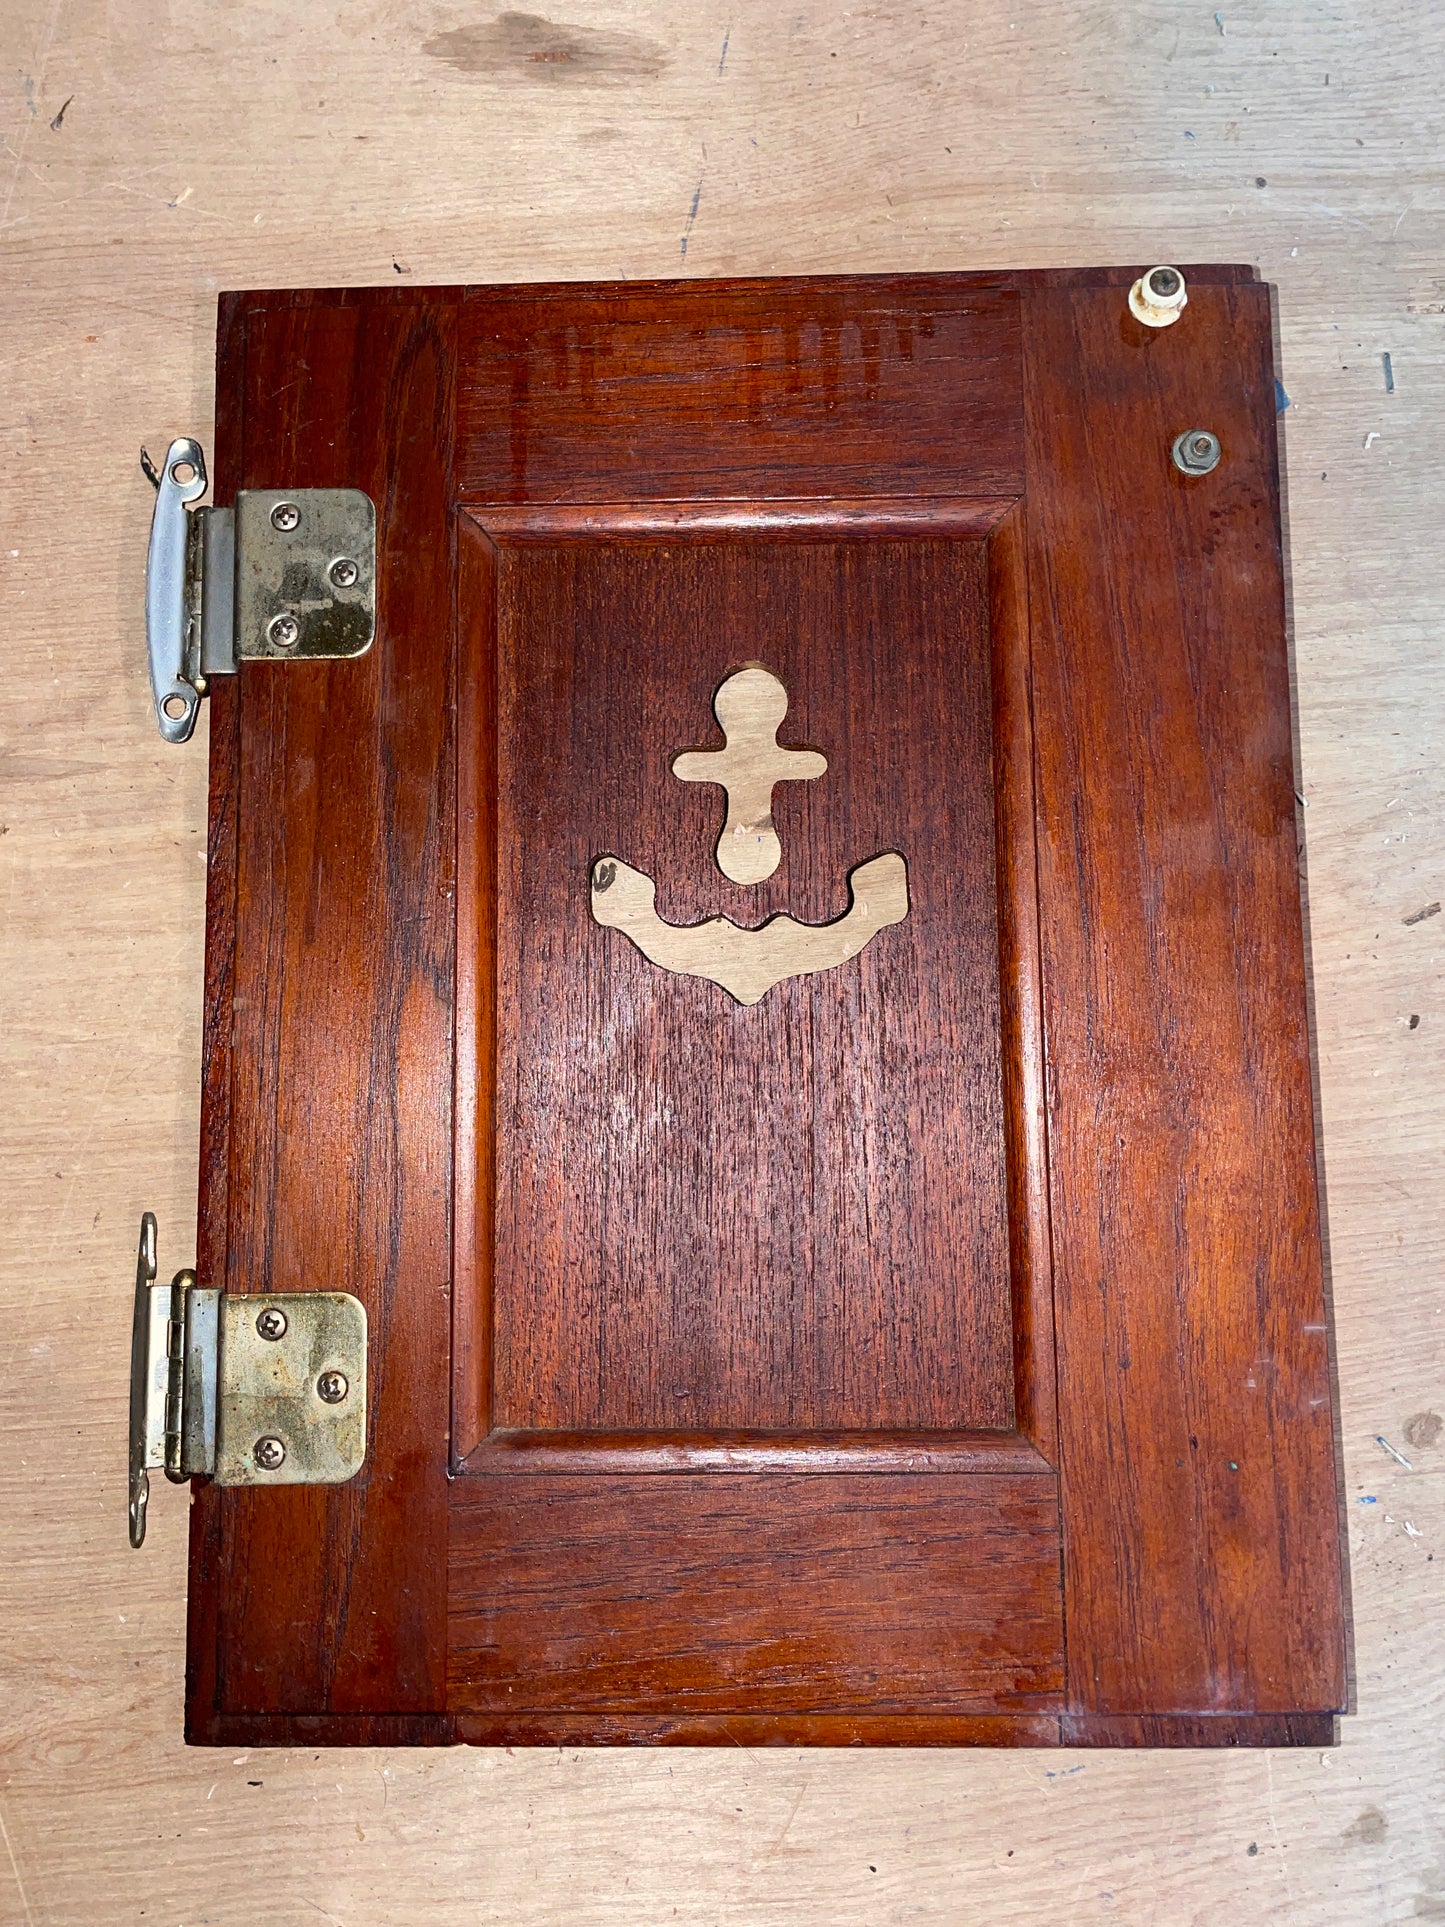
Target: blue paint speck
[(1281, 399)]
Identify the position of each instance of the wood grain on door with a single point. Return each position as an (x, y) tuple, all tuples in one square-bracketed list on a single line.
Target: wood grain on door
[(934, 1349)]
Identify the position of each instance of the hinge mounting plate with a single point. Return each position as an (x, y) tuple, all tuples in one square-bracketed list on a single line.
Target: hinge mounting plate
[(262, 1389), (286, 573)]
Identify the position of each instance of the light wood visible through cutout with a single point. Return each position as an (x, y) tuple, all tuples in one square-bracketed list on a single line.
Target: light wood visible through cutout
[(749, 707), (747, 963)]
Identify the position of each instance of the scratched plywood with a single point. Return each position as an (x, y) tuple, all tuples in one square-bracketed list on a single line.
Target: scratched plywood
[(153, 155)]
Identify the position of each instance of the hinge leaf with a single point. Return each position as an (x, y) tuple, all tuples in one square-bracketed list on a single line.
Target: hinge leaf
[(264, 1389)]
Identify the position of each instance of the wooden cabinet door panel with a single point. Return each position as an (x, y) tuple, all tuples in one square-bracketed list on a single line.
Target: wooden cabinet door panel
[(1190, 1303), (755, 1591), (810, 1362), (789, 1217)]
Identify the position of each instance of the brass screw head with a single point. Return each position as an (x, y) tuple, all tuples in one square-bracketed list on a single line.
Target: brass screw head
[(285, 516), (271, 1322), (332, 1387), (269, 1454)]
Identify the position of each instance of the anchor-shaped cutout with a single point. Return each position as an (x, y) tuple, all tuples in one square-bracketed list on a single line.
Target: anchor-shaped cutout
[(750, 706)]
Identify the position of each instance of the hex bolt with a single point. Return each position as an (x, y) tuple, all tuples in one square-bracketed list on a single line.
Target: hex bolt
[(284, 632), (269, 1454), (285, 516), (332, 1387), (344, 572), (1196, 451), (271, 1322)]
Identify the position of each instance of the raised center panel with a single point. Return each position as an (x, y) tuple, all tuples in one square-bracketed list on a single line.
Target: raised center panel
[(710, 1216)]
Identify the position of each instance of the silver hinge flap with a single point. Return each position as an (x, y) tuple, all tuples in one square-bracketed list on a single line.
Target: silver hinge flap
[(264, 1389), (286, 573)]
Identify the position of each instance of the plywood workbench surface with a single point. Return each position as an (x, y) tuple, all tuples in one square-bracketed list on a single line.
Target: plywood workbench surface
[(153, 156)]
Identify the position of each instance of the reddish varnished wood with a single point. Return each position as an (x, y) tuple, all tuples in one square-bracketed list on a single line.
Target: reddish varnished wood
[(1203, 1730), (539, 1453), (1151, 1130), (769, 1729), (744, 1593), (712, 1217), (879, 517), (339, 1127), (474, 1161), (485, 557), (899, 385), (1202, 1566), (1021, 1013), (757, 1729)]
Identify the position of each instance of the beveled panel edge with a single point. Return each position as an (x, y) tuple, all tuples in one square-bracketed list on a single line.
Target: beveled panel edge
[(1025, 1111), (876, 517), (516, 1453), (474, 1026), (484, 528)]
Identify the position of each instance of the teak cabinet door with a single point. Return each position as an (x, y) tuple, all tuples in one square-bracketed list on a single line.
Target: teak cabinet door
[(893, 1314)]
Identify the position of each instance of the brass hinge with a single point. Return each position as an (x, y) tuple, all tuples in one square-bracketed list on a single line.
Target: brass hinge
[(265, 1389), (286, 573)]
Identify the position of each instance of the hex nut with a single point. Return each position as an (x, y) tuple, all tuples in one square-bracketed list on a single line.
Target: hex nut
[(269, 1454), (271, 1322), (1196, 451)]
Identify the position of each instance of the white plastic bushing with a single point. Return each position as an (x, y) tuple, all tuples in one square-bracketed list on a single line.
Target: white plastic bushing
[(1158, 298)]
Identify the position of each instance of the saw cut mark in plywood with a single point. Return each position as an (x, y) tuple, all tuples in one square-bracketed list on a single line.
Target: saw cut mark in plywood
[(750, 707), (747, 963)]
